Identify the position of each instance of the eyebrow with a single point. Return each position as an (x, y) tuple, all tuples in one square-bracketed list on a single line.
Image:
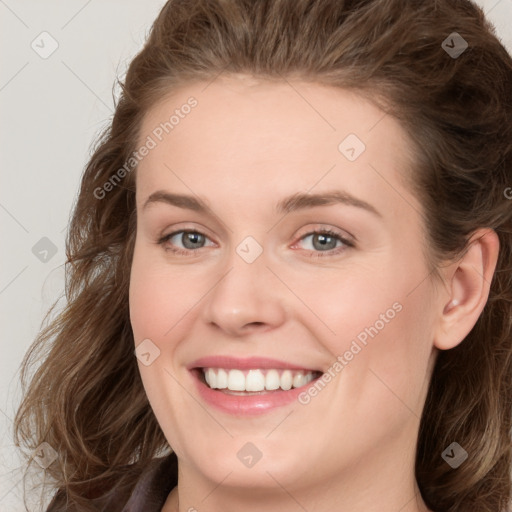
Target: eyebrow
[(287, 205)]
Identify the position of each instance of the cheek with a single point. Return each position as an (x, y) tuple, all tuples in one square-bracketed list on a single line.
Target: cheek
[(389, 373), (160, 294), (343, 302), (378, 319), (152, 300)]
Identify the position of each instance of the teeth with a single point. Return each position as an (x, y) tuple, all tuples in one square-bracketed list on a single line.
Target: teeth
[(299, 380), (222, 378), (272, 380), (256, 380), (236, 380), (286, 380)]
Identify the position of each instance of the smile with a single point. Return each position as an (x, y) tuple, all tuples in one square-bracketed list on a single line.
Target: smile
[(249, 386), (256, 380)]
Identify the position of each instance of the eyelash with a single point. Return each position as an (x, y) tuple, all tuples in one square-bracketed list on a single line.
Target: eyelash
[(314, 254)]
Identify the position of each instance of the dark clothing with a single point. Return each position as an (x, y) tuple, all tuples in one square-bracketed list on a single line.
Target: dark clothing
[(148, 495)]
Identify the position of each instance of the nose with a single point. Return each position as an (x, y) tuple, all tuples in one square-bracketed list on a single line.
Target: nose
[(246, 298)]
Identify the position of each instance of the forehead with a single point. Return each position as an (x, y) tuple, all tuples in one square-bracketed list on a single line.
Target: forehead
[(240, 136)]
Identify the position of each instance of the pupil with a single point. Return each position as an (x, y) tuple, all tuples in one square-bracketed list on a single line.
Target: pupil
[(323, 242), (192, 239)]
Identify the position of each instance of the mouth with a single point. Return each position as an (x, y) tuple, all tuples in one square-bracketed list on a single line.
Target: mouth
[(254, 381), (250, 386)]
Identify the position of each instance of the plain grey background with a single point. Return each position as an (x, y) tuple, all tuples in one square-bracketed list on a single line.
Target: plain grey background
[(59, 63)]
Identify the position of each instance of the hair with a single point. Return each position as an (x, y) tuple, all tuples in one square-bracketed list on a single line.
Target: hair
[(86, 398)]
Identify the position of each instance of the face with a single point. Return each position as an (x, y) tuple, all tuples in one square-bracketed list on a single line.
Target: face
[(298, 252)]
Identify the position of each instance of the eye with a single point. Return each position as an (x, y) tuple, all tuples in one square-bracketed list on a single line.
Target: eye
[(190, 240), (325, 241), (322, 242)]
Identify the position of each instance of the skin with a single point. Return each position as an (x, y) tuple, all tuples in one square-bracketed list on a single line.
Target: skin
[(247, 145)]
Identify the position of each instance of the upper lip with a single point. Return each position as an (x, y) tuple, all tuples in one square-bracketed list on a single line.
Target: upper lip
[(229, 362)]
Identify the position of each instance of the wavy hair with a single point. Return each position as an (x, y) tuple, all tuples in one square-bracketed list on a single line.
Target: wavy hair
[(85, 396)]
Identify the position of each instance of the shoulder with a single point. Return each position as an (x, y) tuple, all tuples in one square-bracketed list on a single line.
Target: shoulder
[(152, 486)]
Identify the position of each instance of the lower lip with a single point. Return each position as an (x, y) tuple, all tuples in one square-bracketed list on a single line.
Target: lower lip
[(248, 405)]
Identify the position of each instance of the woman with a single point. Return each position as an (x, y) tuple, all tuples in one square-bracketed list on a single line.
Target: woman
[(289, 282)]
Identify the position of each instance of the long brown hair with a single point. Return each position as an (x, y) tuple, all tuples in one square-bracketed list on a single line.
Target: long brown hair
[(86, 398)]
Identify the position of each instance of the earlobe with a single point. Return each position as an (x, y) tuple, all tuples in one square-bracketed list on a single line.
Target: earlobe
[(468, 282)]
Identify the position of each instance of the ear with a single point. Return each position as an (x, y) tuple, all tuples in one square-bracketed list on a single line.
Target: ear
[(468, 281)]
